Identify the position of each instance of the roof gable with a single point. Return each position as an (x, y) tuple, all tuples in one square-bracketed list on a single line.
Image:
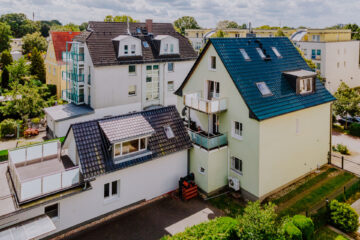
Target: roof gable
[(246, 73), (59, 40)]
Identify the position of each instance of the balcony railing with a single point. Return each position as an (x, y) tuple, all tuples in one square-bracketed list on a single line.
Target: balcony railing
[(75, 77), (206, 141), (204, 105)]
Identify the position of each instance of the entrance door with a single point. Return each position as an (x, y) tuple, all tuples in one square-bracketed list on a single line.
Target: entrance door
[(152, 86), (213, 90)]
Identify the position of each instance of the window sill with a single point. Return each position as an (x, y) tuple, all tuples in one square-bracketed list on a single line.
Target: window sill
[(132, 74), (109, 200), (237, 172), (240, 138), (132, 95), (212, 69)]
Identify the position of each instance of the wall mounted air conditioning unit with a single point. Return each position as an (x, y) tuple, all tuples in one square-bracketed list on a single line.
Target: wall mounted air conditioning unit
[(234, 183)]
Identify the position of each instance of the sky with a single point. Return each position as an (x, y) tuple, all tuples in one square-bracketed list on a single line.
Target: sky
[(293, 13)]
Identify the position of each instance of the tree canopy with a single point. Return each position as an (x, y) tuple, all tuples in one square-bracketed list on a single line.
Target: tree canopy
[(37, 67), (355, 31), (20, 25), (70, 27), (18, 71), (122, 18), (5, 36), (35, 40), (45, 26), (185, 22), (83, 26), (5, 60)]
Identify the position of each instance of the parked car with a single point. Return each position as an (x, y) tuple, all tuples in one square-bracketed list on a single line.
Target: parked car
[(31, 132), (349, 120)]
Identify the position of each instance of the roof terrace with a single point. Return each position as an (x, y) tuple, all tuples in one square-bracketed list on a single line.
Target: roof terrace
[(40, 170)]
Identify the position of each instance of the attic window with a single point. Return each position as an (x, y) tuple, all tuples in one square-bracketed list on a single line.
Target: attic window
[(133, 48), (126, 49), (264, 89), (306, 85), (244, 54), (138, 30), (169, 132), (261, 53), (276, 52), (145, 44)]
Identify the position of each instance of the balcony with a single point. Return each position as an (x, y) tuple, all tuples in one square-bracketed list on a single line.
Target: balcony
[(40, 170), (208, 141), (75, 77), (203, 105)]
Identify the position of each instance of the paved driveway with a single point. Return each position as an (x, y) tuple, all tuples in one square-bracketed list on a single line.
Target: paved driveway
[(152, 221)]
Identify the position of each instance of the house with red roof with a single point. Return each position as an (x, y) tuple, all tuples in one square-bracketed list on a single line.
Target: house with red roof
[(55, 66)]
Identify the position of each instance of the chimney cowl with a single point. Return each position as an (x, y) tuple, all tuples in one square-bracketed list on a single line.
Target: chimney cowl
[(149, 25)]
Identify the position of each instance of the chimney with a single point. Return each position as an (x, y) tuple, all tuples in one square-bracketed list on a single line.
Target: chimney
[(149, 25)]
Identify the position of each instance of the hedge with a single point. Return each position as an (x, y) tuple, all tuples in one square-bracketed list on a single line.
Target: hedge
[(292, 232), (343, 216), (305, 225), (354, 129)]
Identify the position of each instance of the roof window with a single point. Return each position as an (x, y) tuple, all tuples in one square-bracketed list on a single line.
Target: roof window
[(261, 53), (244, 54), (169, 132), (276, 52), (145, 44), (264, 89)]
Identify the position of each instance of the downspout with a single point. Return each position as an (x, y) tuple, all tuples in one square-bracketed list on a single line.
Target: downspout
[(330, 142), (164, 82), (188, 161)]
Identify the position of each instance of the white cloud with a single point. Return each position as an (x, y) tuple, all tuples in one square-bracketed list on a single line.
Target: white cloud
[(312, 13)]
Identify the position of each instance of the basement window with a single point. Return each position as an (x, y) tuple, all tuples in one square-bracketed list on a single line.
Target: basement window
[(244, 54), (261, 53), (169, 132), (264, 89), (52, 211), (279, 55)]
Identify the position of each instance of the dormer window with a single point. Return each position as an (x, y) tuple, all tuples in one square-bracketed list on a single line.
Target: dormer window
[(133, 48), (166, 48), (171, 48), (130, 147), (128, 46), (167, 44), (126, 49), (305, 85)]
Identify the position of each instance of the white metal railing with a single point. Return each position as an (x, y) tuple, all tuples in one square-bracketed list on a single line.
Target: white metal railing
[(48, 183), (207, 106)]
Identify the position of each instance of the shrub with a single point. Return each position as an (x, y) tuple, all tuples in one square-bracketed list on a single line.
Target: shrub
[(339, 237), (305, 225), (218, 228), (354, 129), (343, 216), (291, 232), (8, 126), (342, 149), (3, 155), (35, 120)]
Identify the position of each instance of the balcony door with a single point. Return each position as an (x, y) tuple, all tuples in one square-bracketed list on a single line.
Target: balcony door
[(152, 85), (214, 124), (213, 89)]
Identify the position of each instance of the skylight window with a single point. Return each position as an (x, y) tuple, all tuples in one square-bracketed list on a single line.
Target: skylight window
[(276, 52), (261, 53), (244, 54), (169, 132), (264, 89), (145, 44)]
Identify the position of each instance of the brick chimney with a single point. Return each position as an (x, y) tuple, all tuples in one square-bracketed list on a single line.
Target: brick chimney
[(149, 25)]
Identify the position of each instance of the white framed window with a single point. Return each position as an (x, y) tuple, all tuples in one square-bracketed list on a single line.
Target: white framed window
[(133, 48), (54, 71), (244, 54), (111, 190), (202, 170), (132, 90), (213, 63), (277, 53), (129, 147), (166, 47), (52, 211), (306, 85), (237, 130), (171, 47), (132, 69), (63, 75), (237, 165), (171, 86), (126, 49), (261, 53), (170, 67), (316, 38), (237, 35)]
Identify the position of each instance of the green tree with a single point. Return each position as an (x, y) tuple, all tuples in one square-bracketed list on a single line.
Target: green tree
[(70, 27), (259, 222), (355, 31), (83, 26), (37, 67), (267, 27), (122, 18), (5, 36), (108, 18), (20, 25), (18, 71), (219, 34), (5, 60), (280, 33), (45, 26), (347, 101), (310, 63), (35, 40), (243, 26), (185, 22)]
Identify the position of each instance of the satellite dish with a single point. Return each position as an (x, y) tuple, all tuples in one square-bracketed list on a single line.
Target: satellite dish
[(183, 112)]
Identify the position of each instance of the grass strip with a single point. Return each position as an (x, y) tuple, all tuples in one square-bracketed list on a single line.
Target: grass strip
[(317, 194), (304, 186), (230, 206)]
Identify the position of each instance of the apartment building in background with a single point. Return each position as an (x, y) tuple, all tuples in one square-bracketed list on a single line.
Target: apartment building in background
[(116, 68)]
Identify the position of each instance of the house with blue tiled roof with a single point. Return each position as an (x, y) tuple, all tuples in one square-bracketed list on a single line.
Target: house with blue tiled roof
[(257, 115)]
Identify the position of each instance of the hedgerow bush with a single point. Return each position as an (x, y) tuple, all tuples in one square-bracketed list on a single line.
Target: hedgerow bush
[(340, 238), (354, 129), (343, 216), (222, 228), (8, 126), (342, 149), (305, 225), (291, 232)]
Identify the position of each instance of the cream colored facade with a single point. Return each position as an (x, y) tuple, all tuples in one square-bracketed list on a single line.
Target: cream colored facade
[(327, 35), (54, 70), (274, 152)]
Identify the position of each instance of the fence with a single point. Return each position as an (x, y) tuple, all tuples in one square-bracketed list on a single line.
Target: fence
[(346, 164)]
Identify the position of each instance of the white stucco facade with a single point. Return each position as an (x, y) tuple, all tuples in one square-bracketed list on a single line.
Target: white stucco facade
[(338, 62)]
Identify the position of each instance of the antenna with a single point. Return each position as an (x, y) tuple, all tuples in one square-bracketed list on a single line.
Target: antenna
[(128, 25), (250, 28)]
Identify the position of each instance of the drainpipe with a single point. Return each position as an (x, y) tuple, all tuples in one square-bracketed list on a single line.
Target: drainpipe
[(188, 161), (330, 142)]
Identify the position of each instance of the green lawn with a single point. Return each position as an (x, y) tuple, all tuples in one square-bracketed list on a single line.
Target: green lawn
[(318, 194), (326, 233), (228, 204)]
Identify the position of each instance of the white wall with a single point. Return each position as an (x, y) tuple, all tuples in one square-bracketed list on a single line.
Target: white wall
[(128, 40), (143, 181), (169, 40)]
